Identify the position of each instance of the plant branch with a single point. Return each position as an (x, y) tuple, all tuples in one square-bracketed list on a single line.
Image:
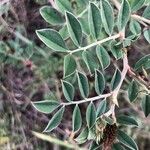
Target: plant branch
[(53, 3), (87, 99), (143, 83), (123, 75), (116, 3), (134, 16), (113, 93), (95, 43), (139, 18)]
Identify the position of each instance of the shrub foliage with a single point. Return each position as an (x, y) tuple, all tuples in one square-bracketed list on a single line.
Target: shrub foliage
[(94, 38)]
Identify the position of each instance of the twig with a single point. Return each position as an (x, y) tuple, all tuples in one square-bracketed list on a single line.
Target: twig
[(116, 3), (113, 93), (123, 75), (134, 16), (3, 2), (143, 83), (87, 100), (139, 18), (96, 43), (53, 3)]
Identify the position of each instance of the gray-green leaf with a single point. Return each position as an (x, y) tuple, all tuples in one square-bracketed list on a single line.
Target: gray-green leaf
[(94, 19), (68, 90), (101, 108), (126, 140), (147, 35), (76, 119), (99, 82), (64, 32), (144, 62), (146, 105), (124, 14), (133, 91), (107, 16), (103, 56), (74, 28), (90, 115), (82, 136), (84, 25), (146, 13), (117, 146), (64, 5), (136, 4), (52, 39), (126, 120), (115, 79), (51, 15), (46, 106), (135, 27), (116, 49), (55, 120), (90, 61), (69, 65), (83, 84)]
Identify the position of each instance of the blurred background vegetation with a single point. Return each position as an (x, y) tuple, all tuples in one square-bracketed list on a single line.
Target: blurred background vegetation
[(29, 71)]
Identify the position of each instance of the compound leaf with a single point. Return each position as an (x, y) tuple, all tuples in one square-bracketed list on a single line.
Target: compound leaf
[(126, 140), (147, 35), (126, 120), (133, 91), (64, 5), (74, 28), (68, 90), (124, 14), (144, 62), (94, 19), (69, 65), (146, 105), (46, 106), (83, 84), (115, 79), (52, 39), (89, 61), (51, 15), (55, 120), (136, 4), (76, 119), (82, 137), (103, 56), (146, 13), (99, 82), (135, 27), (101, 108), (90, 115), (107, 16)]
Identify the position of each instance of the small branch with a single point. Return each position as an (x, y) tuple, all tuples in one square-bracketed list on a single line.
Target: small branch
[(53, 4), (139, 18), (116, 3), (143, 83), (114, 93), (123, 75), (82, 13), (4, 2), (124, 72), (88, 99), (111, 111), (96, 43), (134, 16)]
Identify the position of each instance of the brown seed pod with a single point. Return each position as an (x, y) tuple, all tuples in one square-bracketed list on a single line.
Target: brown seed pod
[(110, 133)]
